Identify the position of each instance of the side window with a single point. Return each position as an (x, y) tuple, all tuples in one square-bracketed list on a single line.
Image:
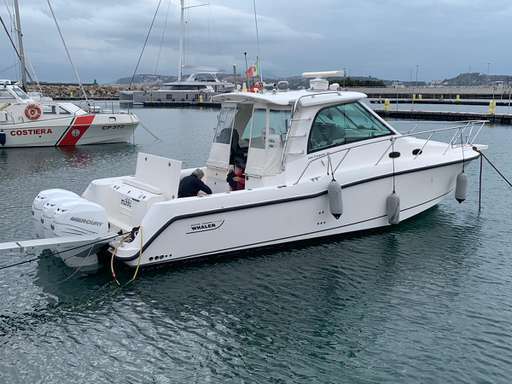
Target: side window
[(342, 124), (49, 109)]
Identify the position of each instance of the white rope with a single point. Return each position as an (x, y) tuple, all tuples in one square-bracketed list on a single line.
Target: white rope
[(145, 43), (34, 74), (67, 51)]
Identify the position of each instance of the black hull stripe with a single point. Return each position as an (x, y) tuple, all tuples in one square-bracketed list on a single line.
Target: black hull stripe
[(65, 131), (282, 201)]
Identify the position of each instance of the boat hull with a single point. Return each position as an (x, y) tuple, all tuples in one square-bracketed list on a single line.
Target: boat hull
[(300, 213), (70, 131)]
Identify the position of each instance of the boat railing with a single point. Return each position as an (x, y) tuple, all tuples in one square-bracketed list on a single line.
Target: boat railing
[(103, 106), (11, 120), (465, 133)]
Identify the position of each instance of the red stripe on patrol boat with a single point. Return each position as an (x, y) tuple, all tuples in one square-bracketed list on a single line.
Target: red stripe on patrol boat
[(76, 131)]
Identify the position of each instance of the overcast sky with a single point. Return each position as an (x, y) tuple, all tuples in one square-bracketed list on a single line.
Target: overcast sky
[(382, 38)]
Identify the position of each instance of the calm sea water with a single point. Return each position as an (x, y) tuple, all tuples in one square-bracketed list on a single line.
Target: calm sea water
[(428, 301)]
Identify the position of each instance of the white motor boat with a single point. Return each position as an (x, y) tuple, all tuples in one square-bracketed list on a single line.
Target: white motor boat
[(318, 163), (35, 122), (198, 88)]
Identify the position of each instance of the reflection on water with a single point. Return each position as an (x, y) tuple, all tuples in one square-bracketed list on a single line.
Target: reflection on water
[(427, 301)]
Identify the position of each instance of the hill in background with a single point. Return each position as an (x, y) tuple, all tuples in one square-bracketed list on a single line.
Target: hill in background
[(477, 79)]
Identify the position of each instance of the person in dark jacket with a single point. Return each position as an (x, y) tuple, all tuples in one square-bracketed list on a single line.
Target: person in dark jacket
[(192, 184)]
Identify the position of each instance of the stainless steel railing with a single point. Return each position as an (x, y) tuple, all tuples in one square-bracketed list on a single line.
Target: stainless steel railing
[(467, 131)]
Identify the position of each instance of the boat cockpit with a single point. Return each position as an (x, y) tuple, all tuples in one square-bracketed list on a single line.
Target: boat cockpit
[(252, 136)]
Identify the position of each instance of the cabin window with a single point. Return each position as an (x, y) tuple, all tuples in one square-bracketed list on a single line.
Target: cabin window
[(343, 124), (49, 109), (63, 111), (22, 95)]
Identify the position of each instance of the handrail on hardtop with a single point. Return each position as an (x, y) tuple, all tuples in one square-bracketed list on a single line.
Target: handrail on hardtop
[(470, 124)]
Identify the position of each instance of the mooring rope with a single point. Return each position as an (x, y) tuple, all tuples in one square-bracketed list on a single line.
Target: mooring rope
[(492, 165), (482, 157), (67, 51), (145, 43), (14, 47)]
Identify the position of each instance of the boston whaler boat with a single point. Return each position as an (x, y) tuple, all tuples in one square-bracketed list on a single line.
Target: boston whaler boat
[(31, 122), (319, 162)]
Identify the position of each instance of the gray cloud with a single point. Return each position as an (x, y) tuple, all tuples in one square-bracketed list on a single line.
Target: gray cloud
[(371, 37)]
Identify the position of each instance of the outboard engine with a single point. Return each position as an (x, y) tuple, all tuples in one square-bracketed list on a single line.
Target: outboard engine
[(61, 213), (79, 217), (49, 210), (41, 199)]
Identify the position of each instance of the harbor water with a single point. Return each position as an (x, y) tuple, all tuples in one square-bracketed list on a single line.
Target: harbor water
[(427, 301)]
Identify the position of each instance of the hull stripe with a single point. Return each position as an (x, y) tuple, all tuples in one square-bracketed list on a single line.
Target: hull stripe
[(75, 132), (264, 243), (286, 200)]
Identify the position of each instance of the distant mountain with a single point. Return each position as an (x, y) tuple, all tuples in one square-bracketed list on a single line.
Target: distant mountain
[(476, 78)]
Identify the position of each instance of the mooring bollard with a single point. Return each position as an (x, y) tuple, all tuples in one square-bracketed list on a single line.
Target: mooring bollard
[(492, 107), (387, 104)]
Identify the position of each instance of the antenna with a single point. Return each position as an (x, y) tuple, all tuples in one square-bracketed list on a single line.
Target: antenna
[(257, 41), (182, 34)]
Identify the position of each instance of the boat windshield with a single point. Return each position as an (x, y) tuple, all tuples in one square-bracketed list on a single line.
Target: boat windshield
[(225, 118), (20, 93), (5, 94)]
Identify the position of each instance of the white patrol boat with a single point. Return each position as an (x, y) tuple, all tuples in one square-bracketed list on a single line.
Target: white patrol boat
[(319, 162), (36, 122)]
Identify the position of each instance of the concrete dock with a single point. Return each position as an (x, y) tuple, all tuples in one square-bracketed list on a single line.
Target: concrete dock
[(437, 93), (446, 116), (501, 103)]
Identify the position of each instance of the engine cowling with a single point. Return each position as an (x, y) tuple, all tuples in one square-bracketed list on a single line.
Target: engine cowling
[(79, 217), (41, 199)]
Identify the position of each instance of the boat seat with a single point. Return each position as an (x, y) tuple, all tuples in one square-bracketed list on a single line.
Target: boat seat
[(130, 180)]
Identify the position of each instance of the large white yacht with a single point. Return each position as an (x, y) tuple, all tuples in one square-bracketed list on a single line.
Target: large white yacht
[(318, 162), (199, 88), (28, 121)]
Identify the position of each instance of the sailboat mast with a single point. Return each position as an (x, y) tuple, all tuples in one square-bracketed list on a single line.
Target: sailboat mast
[(182, 34), (20, 45)]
